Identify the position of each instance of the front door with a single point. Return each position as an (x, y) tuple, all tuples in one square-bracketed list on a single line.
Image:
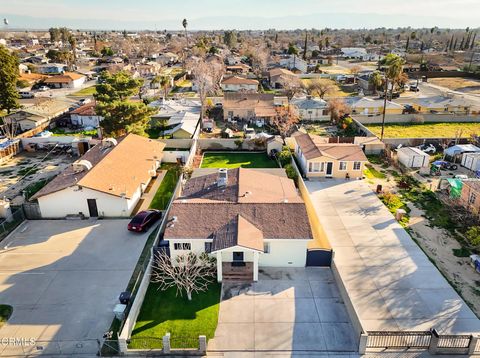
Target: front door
[(237, 259), (329, 171), (92, 208)]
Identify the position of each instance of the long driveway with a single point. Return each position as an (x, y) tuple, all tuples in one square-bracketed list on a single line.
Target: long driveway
[(287, 310), (391, 283), (63, 278)]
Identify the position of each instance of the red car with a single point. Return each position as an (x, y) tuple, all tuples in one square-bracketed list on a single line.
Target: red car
[(143, 220)]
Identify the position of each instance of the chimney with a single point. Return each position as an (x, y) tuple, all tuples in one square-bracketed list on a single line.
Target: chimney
[(222, 177)]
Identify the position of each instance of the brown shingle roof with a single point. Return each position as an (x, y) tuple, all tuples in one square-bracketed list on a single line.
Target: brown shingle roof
[(248, 100), (236, 80), (85, 110), (65, 78), (117, 170), (238, 232)]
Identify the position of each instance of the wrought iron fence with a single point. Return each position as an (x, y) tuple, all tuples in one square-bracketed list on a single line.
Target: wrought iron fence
[(453, 341), (378, 339), (9, 224)]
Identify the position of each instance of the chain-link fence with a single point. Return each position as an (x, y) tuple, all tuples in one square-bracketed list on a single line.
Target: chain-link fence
[(9, 224)]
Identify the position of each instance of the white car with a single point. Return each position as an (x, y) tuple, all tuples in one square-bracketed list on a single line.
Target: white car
[(43, 88), (460, 176)]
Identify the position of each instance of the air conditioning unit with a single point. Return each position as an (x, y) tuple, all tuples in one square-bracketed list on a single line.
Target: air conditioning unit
[(82, 165), (109, 142)]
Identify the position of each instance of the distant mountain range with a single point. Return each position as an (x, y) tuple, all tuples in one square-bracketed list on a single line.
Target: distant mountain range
[(319, 21)]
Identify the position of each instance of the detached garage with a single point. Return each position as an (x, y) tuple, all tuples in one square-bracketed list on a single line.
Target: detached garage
[(471, 161), (412, 157)]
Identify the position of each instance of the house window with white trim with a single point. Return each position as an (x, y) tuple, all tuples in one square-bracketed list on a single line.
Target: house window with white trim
[(342, 166), (315, 167), (266, 247), (357, 165), (182, 246)]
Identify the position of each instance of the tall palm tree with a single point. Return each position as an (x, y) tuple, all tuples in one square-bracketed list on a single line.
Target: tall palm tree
[(376, 81), (185, 24), (393, 74), (164, 82)]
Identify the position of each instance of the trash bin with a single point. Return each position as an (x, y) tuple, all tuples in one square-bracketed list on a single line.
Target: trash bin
[(125, 297), (379, 188)]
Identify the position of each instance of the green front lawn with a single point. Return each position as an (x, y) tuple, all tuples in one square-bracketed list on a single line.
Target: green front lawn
[(426, 130), (5, 313), (235, 160), (370, 172), (163, 311), (88, 91), (165, 191)]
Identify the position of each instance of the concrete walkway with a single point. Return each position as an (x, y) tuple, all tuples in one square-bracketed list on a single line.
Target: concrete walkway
[(287, 310), (147, 197), (390, 282)]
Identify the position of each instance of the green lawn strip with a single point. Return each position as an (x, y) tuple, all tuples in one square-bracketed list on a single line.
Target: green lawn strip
[(426, 130), (370, 172), (89, 91), (61, 132), (5, 313), (236, 160), (164, 311), (167, 187)]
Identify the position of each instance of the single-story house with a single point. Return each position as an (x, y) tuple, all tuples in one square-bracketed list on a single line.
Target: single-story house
[(239, 68), (237, 83), (85, 116), (470, 195), (107, 181), (412, 157), (246, 218), (51, 69), (368, 106), (293, 62), (311, 108), (471, 161), (183, 125), (248, 106), (442, 104), (319, 159), (181, 116), (370, 145), (66, 80), (279, 76)]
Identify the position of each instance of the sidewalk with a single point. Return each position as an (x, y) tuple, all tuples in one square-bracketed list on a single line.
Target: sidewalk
[(147, 197)]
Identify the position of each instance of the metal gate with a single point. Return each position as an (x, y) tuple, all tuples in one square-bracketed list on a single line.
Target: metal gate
[(319, 257)]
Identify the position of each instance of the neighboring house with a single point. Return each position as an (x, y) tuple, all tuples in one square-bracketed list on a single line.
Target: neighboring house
[(412, 157), (278, 77), (181, 116), (363, 81), (294, 63), (67, 80), (442, 104), (236, 83), (246, 218), (368, 106), (85, 116), (148, 69), (38, 115), (471, 161), (107, 181), (167, 58), (470, 195), (32, 78), (311, 108), (328, 160), (360, 53), (240, 68), (51, 69), (182, 125), (248, 106)]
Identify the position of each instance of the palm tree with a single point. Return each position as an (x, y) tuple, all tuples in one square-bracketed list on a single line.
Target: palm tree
[(185, 24), (164, 82), (376, 81), (393, 74)]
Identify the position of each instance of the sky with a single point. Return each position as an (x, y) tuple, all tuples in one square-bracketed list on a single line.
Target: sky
[(238, 14)]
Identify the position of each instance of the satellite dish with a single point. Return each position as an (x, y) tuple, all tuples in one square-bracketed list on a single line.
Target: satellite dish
[(5, 21)]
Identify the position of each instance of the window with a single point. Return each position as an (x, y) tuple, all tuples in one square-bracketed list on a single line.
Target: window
[(182, 246), (472, 198), (316, 167), (208, 247), (342, 166), (357, 165), (266, 247)]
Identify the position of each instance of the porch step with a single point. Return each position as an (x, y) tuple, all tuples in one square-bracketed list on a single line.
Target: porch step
[(240, 276)]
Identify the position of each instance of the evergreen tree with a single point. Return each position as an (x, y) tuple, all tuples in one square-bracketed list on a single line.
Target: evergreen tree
[(8, 80)]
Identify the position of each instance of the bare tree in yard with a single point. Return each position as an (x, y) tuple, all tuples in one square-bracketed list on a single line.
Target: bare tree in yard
[(320, 87), (291, 87), (354, 71), (337, 108), (259, 60), (284, 120), (189, 272), (206, 78)]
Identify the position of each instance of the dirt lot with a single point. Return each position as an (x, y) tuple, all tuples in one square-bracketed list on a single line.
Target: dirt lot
[(437, 243), (26, 169), (460, 84)]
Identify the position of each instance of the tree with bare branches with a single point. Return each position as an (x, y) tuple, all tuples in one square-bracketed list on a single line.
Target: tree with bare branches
[(354, 70), (319, 87), (337, 108), (284, 120), (188, 272)]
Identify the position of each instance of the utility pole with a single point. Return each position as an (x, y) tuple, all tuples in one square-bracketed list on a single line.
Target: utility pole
[(384, 107)]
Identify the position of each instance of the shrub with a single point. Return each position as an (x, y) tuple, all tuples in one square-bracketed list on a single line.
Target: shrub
[(285, 157), (291, 172), (22, 84), (473, 235), (392, 201), (417, 119), (239, 143)]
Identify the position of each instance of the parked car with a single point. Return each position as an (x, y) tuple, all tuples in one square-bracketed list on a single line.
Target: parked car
[(84, 101), (409, 109), (26, 94), (414, 89), (43, 88), (143, 220), (461, 176)]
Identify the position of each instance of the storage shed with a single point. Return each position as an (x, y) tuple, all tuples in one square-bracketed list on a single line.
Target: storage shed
[(412, 157), (471, 161)]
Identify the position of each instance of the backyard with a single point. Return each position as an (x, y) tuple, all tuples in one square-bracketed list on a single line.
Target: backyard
[(166, 189), (88, 91), (231, 160), (426, 130), (457, 84), (164, 312)]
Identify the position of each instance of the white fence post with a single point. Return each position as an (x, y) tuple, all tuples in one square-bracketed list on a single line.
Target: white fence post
[(202, 340), (166, 343)]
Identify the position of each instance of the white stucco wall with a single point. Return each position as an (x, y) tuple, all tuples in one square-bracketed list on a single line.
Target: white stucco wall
[(86, 121), (73, 201)]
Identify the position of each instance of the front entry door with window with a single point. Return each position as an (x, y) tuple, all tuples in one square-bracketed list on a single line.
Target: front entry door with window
[(329, 169), (92, 208), (238, 259)]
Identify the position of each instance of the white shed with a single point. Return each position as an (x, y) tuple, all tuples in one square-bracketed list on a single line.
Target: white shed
[(471, 161), (413, 157)]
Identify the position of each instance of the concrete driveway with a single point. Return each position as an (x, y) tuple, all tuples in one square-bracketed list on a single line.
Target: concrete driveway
[(287, 310), (63, 278)]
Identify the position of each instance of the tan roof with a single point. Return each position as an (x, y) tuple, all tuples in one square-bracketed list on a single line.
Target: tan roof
[(313, 146), (117, 170), (85, 110), (65, 78), (237, 80), (279, 72), (253, 101), (31, 77)]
